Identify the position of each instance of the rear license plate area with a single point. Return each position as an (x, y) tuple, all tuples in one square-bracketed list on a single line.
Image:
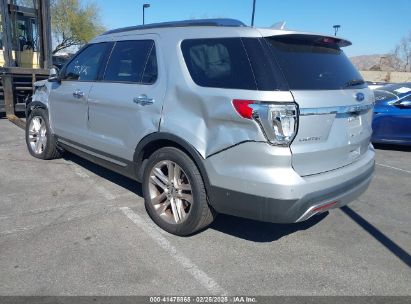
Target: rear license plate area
[(354, 124)]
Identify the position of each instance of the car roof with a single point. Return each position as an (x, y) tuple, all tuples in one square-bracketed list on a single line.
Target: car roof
[(182, 23), (202, 28)]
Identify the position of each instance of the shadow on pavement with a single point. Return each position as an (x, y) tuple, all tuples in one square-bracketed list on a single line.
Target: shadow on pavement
[(260, 231), (18, 114), (113, 177), (392, 147), (378, 235), (239, 227)]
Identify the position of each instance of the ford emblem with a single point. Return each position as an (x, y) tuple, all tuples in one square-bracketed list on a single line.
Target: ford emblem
[(360, 97)]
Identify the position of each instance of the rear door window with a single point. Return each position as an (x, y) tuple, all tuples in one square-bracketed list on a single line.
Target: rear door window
[(132, 62), (219, 63), (85, 66), (314, 63)]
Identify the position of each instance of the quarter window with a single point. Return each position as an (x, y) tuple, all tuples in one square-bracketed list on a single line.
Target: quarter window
[(85, 66), (132, 61), (219, 63)]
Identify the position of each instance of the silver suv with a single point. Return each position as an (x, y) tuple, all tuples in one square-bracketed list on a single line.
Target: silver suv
[(212, 116)]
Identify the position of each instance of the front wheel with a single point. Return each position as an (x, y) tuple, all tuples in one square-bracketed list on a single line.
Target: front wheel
[(39, 139), (174, 192)]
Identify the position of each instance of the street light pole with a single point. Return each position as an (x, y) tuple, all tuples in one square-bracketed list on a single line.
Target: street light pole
[(336, 28), (145, 5), (252, 17)]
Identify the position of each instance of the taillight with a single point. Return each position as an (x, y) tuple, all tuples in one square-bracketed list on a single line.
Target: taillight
[(243, 108), (284, 123), (277, 121), (329, 40)]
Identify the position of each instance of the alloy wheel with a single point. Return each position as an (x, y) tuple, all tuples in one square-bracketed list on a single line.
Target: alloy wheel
[(170, 192), (37, 134)]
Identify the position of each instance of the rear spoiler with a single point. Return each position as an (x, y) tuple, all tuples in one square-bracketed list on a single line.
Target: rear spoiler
[(293, 35)]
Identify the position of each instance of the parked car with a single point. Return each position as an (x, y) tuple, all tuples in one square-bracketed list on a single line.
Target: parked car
[(392, 114), (375, 84), (212, 116)]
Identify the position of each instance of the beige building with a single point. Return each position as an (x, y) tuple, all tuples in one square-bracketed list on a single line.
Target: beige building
[(386, 76)]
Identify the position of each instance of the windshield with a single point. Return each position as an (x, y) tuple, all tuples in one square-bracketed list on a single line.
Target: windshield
[(314, 63)]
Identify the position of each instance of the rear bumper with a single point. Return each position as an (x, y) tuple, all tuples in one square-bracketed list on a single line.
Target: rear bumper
[(284, 196)]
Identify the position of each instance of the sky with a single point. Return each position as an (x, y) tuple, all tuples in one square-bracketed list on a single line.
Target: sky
[(373, 26)]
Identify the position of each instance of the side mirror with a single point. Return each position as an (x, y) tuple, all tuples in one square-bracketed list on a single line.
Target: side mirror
[(54, 75)]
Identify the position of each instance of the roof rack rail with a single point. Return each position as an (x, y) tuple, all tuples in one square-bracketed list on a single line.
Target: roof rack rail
[(183, 23)]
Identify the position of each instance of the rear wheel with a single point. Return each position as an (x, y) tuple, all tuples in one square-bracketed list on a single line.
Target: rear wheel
[(174, 192), (39, 139)]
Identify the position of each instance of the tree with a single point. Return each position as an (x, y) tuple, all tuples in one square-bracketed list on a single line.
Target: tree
[(405, 51), (73, 24), (393, 62), (401, 55)]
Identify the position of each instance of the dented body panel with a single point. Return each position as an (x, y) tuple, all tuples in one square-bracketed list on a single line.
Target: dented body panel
[(210, 122)]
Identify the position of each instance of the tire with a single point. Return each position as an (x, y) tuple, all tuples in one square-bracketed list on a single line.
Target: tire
[(178, 204), (40, 141)]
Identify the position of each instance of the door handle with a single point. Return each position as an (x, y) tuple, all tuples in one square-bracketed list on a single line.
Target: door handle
[(78, 94), (143, 100)]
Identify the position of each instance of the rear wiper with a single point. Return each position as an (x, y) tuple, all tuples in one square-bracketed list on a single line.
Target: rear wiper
[(353, 82)]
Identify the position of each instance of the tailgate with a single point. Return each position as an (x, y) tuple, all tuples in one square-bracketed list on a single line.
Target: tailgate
[(331, 136)]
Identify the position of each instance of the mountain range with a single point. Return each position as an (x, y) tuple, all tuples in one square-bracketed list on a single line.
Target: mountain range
[(367, 62)]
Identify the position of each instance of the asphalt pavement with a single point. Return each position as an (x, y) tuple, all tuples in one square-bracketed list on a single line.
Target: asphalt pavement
[(69, 227)]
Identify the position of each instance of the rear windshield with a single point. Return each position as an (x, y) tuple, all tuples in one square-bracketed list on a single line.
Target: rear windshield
[(314, 63)]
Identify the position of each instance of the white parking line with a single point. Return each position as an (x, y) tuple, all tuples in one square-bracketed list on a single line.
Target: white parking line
[(386, 166), (79, 171), (107, 194), (199, 275), (15, 230), (152, 231)]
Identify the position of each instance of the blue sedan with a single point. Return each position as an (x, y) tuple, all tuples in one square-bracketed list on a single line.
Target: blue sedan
[(392, 114)]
